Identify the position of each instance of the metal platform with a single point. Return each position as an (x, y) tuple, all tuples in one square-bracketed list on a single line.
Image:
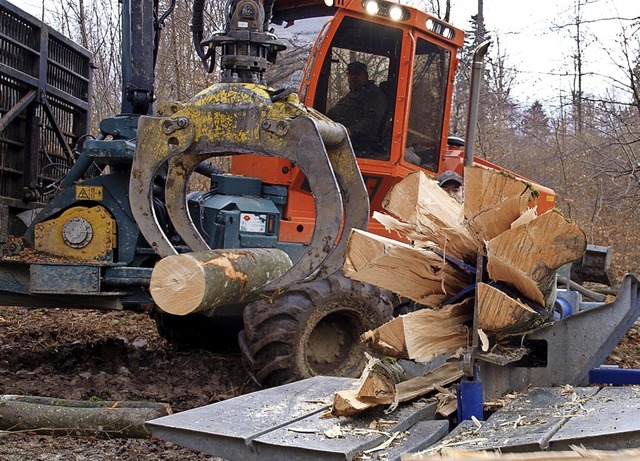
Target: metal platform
[(554, 419), (287, 423)]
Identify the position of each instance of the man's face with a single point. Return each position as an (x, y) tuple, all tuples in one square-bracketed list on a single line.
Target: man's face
[(454, 190), (356, 80)]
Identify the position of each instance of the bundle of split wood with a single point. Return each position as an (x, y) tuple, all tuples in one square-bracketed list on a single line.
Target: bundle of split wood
[(442, 243)]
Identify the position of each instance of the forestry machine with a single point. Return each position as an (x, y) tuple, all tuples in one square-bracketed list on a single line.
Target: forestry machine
[(83, 220)]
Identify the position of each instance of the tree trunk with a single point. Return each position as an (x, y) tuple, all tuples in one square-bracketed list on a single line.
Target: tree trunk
[(203, 280), (51, 416), (418, 274)]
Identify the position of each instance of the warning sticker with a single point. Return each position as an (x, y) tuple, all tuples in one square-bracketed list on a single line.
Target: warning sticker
[(89, 193), (250, 222)]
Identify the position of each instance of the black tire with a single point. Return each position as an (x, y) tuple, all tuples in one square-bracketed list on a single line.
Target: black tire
[(198, 330), (312, 329)]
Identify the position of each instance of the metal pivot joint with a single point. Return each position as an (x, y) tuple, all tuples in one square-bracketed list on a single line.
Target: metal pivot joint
[(246, 46)]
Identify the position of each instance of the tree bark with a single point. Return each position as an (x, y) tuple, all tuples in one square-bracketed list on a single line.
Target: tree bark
[(43, 415), (418, 274), (203, 280)]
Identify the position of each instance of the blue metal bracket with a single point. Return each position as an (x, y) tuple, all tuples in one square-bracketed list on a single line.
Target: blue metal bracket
[(470, 398), (614, 376)]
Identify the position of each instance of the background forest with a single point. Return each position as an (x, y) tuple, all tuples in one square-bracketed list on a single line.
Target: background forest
[(584, 144)]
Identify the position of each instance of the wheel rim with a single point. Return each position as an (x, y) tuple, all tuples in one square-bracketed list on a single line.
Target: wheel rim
[(332, 345)]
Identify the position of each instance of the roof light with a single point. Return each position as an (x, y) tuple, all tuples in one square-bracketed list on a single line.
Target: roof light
[(389, 10), (328, 2), (395, 13), (440, 28), (372, 6)]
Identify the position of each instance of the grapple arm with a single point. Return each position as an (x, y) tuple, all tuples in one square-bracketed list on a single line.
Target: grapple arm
[(230, 119)]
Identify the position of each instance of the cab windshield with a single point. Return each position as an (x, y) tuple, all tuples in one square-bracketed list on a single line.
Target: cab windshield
[(378, 48)]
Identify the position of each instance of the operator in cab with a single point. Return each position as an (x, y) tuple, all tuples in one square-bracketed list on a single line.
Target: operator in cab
[(452, 183), (362, 109)]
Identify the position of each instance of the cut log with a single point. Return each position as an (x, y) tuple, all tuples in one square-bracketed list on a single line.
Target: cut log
[(49, 416), (432, 332), (415, 273), (528, 256), (192, 282), (493, 200), (346, 402), (433, 214)]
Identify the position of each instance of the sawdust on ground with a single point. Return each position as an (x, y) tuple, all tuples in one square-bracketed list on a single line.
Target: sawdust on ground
[(84, 354)]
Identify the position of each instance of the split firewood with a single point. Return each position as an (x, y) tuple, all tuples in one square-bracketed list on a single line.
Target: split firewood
[(432, 215), (50, 416), (430, 333), (379, 379), (447, 403), (500, 313), (528, 256), (388, 339), (192, 282), (424, 334), (346, 402), (418, 274), (493, 200)]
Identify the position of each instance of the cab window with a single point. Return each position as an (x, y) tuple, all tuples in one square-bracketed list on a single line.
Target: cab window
[(427, 110), (365, 110)]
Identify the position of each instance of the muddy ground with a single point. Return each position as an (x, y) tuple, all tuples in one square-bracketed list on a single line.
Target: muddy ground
[(85, 354)]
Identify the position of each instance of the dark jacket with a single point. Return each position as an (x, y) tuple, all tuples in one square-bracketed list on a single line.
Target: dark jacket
[(361, 111)]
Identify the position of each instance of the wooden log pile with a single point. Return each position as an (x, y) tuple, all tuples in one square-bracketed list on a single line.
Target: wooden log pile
[(439, 242)]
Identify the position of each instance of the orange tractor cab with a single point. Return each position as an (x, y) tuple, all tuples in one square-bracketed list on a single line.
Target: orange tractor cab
[(412, 57)]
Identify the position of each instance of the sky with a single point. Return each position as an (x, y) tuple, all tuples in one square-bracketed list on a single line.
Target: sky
[(531, 36), (529, 33)]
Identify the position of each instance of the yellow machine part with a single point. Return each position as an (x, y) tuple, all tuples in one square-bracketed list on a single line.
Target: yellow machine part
[(81, 233)]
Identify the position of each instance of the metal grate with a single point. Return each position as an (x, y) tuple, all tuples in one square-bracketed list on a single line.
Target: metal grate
[(45, 85)]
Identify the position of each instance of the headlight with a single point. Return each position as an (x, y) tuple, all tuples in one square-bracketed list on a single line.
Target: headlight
[(395, 13), (440, 28), (372, 6)]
